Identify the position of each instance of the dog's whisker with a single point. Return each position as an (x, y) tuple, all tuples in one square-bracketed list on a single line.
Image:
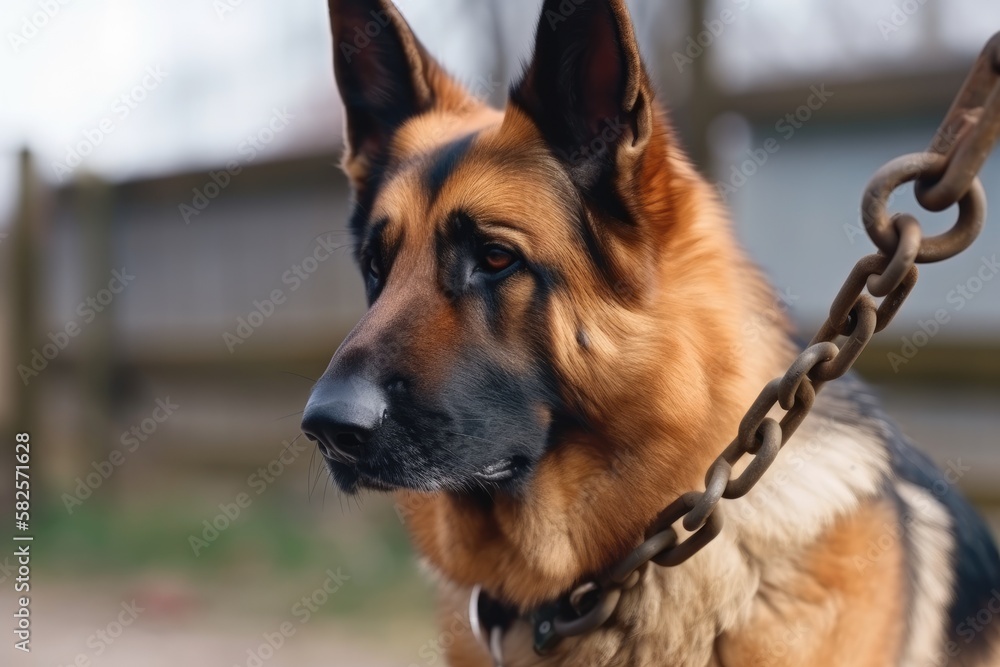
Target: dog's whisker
[(293, 441), (319, 476), (289, 415), (309, 473), (298, 375)]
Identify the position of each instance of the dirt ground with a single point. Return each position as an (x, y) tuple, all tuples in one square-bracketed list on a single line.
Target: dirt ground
[(91, 625)]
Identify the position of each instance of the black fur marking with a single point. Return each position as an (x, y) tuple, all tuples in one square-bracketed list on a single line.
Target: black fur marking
[(454, 249), (548, 279), (613, 280), (593, 245), (604, 196), (444, 161), (377, 247), (365, 198)]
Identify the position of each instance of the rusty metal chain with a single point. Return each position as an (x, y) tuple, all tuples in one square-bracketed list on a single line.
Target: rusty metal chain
[(944, 175)]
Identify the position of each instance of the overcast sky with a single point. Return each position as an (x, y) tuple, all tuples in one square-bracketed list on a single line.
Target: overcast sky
[(149, 86)]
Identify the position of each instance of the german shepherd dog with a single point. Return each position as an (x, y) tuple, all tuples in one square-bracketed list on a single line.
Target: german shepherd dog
[(556, 348)]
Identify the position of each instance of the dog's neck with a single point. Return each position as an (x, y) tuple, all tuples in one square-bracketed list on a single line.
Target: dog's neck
[(680, 613)]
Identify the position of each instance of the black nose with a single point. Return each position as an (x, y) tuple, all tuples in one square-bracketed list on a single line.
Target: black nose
[(342, 415)]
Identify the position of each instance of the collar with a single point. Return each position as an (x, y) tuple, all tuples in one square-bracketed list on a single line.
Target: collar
[(490, 618), (592, 603)]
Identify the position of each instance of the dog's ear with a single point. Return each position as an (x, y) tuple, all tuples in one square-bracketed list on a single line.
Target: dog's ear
[(385, 76), (587, 89)]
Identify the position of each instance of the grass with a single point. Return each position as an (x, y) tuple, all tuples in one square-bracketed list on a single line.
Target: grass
[(270, 545)]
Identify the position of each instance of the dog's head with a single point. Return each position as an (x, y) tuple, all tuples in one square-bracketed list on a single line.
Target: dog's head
[(512, 260)]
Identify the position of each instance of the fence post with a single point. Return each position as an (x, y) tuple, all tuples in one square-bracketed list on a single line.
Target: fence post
[(703, 104), (25, 256)]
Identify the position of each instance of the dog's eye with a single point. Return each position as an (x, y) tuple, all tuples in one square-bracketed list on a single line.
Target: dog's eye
[(497, 259), (374, 269)]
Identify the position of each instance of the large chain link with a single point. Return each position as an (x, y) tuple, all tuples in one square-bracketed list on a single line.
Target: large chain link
[(946, 174)]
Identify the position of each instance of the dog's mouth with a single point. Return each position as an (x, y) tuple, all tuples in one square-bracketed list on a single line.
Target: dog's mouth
[(353, 476), (375, 483), (503, 470)]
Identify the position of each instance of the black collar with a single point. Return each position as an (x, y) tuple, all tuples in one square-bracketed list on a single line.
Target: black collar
[(491, 618)]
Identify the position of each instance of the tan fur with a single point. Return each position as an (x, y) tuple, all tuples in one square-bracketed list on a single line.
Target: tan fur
[(814, 611), (826, 611)]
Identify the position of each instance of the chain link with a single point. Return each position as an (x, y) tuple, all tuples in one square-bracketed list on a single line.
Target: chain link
[(967, 135), (945, 175), (971, 207)]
